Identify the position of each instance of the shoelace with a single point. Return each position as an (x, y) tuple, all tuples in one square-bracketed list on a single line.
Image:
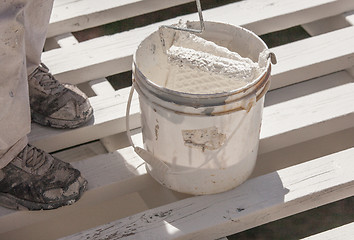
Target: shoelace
[(33, 157), (44, 78)]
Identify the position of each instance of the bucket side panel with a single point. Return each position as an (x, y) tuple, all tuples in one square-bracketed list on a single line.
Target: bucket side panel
[(207, 154)]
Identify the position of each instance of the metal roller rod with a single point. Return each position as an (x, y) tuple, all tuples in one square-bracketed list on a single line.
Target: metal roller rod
[(202, 26)]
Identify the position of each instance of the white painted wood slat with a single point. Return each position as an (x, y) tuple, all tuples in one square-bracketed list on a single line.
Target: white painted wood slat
[(286, 123), (303, 117), (109, 176), (297, 61), (98, 86), (109, 119), (70, 16), (330, 24), (124, 202), (258, 201), (109, 55), (101, 87), (313, 57), (113, 176), (76, 15)]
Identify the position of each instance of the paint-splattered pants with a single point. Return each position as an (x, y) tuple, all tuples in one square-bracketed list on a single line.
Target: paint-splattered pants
[(23, 26)]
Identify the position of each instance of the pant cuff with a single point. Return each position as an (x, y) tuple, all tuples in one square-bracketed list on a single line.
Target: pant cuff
[(13, 152)]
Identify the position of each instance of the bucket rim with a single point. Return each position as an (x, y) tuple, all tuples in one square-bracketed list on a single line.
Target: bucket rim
[(203, 95)]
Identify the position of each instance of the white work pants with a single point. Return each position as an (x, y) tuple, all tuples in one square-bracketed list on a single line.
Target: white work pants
[(23, 27)]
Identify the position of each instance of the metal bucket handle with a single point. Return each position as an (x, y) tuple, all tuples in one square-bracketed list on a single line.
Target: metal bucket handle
[(159, 165)]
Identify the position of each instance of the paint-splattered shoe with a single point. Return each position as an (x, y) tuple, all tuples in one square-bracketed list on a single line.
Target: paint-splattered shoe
[(55, 104), (35, 180)]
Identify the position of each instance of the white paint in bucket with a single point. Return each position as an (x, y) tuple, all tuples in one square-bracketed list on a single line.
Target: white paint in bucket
[(200, 66), (199, 143)]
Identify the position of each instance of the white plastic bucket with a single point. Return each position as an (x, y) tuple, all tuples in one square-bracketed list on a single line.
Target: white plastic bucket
[(200, 143)]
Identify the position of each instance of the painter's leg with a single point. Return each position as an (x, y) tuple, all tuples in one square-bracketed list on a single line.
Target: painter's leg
[(29, 177), (52, 104), (37, 16), (14, 105)]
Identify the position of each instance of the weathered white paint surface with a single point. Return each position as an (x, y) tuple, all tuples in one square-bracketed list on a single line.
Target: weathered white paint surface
[(75, 15), (113, 54), (308, 115), (257, 201), (296, 123)]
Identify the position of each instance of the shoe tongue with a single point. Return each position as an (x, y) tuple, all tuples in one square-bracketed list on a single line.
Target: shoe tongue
[(45, 81), (50, 84), (33, 162), (31, 159)]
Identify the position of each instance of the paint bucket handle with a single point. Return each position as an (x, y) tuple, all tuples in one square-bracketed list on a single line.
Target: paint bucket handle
[(159, 165)]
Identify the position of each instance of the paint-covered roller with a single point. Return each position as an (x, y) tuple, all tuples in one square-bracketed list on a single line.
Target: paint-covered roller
[(200, 66)]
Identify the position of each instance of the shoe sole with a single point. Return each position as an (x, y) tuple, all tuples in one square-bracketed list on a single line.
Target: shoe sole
[(11, 202), (60, 123)]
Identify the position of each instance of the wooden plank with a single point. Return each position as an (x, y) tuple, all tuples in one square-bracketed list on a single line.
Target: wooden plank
[(97, 167), (109, 176), (115, 142), (96, 87), (326, 25), (101, 86), (119, 140), (58, 223), (330, 24), (304, 91), (345, 232), (81, 152), (313, 57), (298, 61), (109, 55), (76, 15), (293, 116), (286, 121), (303, 152), (109, 119), (257, 201), (301, 114), (114, 175), (70, 15), (113, 178), (349, 17), (64, 40), (275, 15)]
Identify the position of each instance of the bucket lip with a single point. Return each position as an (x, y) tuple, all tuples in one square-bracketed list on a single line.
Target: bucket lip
[(206, 95), (203, 95)]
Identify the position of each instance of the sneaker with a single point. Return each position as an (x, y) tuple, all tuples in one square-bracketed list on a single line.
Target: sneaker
[(35, 180), (55, 104)]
